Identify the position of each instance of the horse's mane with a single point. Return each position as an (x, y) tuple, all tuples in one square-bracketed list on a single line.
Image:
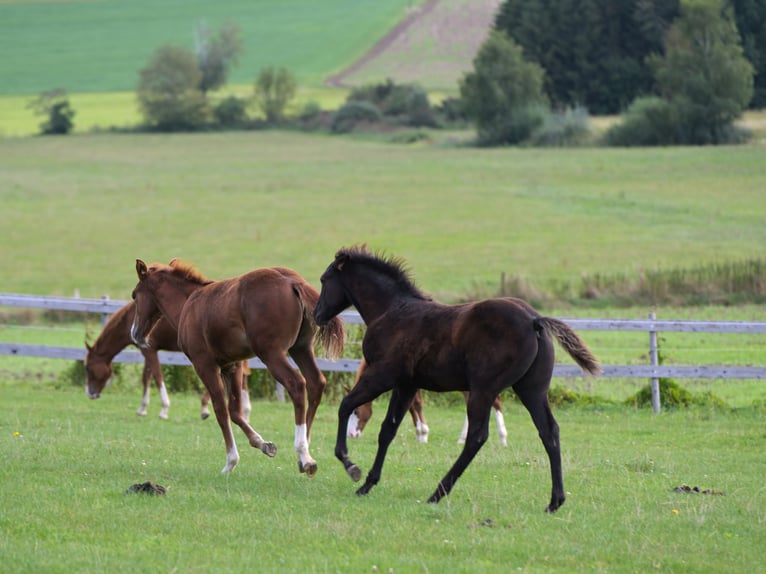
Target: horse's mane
[(189, 272), (391, 266)]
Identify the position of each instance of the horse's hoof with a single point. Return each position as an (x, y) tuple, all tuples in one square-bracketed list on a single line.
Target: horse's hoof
[(205, 416), (354, 472), (363, 490), (309, 468), (269, 449)]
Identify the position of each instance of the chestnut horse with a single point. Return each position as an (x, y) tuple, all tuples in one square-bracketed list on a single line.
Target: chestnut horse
[(115, 336), (413, 342), (363, 413), (266, 313)]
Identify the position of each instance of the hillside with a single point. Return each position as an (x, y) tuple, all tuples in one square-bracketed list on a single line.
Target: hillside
[(433, 45)]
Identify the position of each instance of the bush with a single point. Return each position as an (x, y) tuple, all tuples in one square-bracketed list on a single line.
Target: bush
[(567, 128), (515, 126), (648, 121), (54, 106), (672, 395), (231, 111), (352, 113), (168, 91), (406, 104)]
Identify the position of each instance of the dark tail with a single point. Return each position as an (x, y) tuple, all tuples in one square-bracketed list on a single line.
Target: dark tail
[(571, 343), (331, 336)]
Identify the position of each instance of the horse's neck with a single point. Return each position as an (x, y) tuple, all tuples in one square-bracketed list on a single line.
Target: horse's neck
[(171, 300), (373, 298), (114, 337)]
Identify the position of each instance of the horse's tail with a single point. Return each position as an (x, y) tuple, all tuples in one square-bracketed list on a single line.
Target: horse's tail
[(571, 343), (331, 336)]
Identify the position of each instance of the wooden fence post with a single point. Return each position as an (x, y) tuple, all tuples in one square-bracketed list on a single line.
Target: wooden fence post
[(654, 359), (104, 316)]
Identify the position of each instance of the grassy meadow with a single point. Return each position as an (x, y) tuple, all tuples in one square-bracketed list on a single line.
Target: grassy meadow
[(68, 462)]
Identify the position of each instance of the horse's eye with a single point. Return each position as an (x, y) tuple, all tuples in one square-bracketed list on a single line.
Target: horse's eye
[(133, 295)]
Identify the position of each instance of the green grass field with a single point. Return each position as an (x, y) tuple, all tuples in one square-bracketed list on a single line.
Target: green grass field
[(68, 462), (79, 210), (101, 46)]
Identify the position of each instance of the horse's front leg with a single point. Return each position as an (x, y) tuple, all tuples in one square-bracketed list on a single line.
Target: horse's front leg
[(152, 363), (401, 399), (210, 375), (233, 375)]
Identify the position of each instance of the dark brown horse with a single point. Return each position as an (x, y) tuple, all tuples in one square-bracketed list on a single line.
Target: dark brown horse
[(266, 313), (363, 413), (413, 342), (115, 336)]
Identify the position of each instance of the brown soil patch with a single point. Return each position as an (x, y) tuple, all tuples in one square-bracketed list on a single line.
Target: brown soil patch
[(434, 45)]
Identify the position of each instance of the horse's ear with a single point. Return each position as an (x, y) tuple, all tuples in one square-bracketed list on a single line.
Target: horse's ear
[(346, 389), (340, 261), (88, 347), (173, 262), (141, 269)]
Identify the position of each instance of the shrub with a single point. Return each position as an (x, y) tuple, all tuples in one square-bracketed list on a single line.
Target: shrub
[(515, 126), (231, 111), (352, 113), (54, 106), (181, 379), (406, 104), (566, 128), (648, 121), (672, 395)]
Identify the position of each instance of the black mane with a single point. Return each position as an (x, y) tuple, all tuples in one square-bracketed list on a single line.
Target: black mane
[(393, 267)]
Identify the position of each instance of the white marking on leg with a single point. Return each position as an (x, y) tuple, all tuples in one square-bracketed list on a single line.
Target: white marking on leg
[(302, 446), (232, 455), (144, 403), (352, 430), (246, 407), (501, 430), (464, 432), (165, 399), (421, 431)]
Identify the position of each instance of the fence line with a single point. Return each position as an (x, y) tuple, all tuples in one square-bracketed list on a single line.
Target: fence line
[(653, 371)]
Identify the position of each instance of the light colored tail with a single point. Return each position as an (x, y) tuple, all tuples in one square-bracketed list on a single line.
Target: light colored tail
[(570, 342)]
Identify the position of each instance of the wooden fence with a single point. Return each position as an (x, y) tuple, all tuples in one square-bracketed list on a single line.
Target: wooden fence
[(653, 370)]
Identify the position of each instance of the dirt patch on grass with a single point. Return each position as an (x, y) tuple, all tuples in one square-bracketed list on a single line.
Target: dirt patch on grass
[(433, 45)]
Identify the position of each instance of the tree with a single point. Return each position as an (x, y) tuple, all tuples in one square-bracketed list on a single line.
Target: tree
[(502, 92), (274, 88), (54, 106), (751, 23), (168, 90), (703, 73), (216, 54), (592, 51)]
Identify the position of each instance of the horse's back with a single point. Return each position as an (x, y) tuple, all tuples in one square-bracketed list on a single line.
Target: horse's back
[(243, 314)]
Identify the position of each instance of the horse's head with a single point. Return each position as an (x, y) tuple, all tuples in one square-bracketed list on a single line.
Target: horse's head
[(333, 297), (98, 372), (147, 311)]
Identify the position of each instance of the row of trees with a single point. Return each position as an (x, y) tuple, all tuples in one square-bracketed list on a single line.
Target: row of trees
[(690, 92), (596, 53)]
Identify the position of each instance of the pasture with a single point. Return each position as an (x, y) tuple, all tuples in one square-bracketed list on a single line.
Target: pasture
[(79, 210), (68, 462)]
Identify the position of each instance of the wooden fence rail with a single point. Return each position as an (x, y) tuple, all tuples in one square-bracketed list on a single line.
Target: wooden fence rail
[(651, 326)]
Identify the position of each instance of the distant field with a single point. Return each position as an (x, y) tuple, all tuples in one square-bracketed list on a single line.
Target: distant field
[(77, 211), (101, 46)]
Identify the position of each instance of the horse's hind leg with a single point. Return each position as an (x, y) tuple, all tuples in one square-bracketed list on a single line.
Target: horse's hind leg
[(418, 418), (533, 392), (502, 432), (397, 409), (315, 382), (296, 388), (478, 407)]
